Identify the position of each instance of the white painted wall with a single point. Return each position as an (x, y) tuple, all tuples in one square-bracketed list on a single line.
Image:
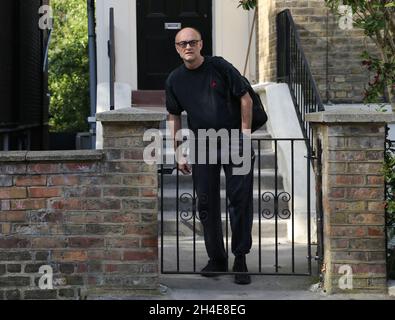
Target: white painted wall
[(283, 123), (231, 31), (125, 40), (231, 27)]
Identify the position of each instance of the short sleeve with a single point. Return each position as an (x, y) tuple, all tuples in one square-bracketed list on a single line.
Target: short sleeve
[(172, 105), (238, 85)]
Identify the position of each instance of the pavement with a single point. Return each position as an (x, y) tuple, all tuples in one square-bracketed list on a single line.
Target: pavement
[(263, 287)]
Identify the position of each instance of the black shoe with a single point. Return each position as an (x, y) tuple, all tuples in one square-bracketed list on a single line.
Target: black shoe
[(241, 266), (214, 266)]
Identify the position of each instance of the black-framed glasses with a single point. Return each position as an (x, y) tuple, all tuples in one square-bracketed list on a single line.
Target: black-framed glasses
[(184, 44)]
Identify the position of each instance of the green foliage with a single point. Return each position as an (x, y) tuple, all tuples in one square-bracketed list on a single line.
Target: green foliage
[(389, 174), (247, 4), (69, 67), (377, 19)]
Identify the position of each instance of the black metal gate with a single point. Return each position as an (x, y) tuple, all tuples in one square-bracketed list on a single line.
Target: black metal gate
[(281, 171)]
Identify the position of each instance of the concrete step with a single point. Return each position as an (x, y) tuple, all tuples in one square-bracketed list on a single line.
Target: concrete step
[(186, 227), (185, 181)]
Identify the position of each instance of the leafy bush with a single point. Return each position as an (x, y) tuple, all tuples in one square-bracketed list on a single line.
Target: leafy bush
[(69, 67), (377, 19)]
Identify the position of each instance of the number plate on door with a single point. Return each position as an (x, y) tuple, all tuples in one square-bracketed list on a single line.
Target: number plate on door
[(172, 26)]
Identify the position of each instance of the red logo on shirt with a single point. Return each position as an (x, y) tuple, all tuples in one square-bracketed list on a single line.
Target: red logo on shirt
[(213, 84)]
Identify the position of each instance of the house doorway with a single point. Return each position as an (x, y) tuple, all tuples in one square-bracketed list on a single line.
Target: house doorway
[(158, 22)]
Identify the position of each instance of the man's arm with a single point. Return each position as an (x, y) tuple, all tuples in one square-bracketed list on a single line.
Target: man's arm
[(246, 114), (175, 126)]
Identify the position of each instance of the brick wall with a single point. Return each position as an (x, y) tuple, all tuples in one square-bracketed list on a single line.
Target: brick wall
[(343, 74), (353, 200), (90, 215)]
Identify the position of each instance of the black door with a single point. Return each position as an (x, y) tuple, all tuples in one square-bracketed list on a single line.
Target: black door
[(158, 22)]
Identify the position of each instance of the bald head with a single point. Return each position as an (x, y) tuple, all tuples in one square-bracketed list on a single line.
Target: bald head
[(189, 33), (189, 44)]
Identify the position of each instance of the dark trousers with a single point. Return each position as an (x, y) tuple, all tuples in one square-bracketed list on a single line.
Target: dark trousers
[(240, 195)]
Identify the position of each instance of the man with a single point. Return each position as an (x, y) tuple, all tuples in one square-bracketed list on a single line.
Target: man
[(214, 96)]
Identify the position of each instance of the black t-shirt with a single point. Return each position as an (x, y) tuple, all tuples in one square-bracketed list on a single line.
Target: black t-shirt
[(210, 94)]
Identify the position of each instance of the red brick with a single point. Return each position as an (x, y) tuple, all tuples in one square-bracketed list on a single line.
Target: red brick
[(347, 155), (120, 217), (368, 243), (133, 154), (12, 216), (374, 155), (28, 204), (348, 180), (100, 180), (141, 230), (363, 268), (111, 268), (364, 167), (146, 255), (44, 168), (102, 204), (347, 231), (13, 193), (69, 256), (365, 193), (14, 243), (81, 268), (347, 206), (149, 242), (148, 192), (24, 181), (120, 192), (336, 193), (82, 192), (376, 231), (376, 206), (42, 192), (85, 242), (122, 243), (63, 180), (140, 180), (376, 180), (108, 255), (82, 167), (66, 204), (366, 218), (339, 243), (123, 167), (49, 243)]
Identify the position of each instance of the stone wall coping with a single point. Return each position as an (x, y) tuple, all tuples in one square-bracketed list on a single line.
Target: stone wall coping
[(348, 114), (133, 114), (60, 156)]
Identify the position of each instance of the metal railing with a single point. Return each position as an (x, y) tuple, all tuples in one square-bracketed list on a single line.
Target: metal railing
[(111, 55), (18, 138), (293, 68), (181, 238)]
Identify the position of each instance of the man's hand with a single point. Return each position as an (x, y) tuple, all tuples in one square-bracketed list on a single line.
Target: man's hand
[(183, 165)]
